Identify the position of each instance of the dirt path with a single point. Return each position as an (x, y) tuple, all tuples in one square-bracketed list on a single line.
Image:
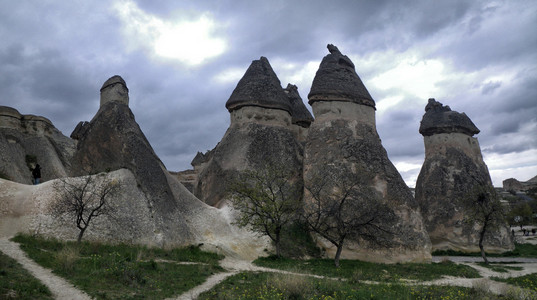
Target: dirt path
[(500, 288), (234, 266), (60, 288)]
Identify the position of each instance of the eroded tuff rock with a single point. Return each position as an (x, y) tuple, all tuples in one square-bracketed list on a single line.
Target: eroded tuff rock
[(261, 134), (113, 140), (441, 119), (152, 208), (115, 90), (259, 87), (336, 80), (453, 166), (512, 184), (22, 135), (300, 115), (26, 208), (344, 133)]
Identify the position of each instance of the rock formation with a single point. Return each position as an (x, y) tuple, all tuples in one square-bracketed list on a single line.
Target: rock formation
[(153, 208), (113, 140), (344, 134), (28, 139), (453, 166), (115, 90), (300, 115), (512, 184), (25, 208), (261, 133)]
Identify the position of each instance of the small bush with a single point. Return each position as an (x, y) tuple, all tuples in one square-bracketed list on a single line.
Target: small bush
[(357, 276), (517, 293), (293, 286), (481, 286), (67, 257)]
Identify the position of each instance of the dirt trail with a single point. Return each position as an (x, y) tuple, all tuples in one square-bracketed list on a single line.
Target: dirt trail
[(234, 266), (60, 288)]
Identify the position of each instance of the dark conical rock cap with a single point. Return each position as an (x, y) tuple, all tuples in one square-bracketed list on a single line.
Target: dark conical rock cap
[(336, 80), (259, 87), (113, 80), (441, 119), (300, 115)]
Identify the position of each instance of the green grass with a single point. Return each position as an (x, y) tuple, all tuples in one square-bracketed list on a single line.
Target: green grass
[(359, 270), (249, 285), (122, 271), (521, 250), (17, 283), (527, 281), (496, 267)]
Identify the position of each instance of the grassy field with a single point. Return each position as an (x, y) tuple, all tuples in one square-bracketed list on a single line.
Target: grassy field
[(17, 283), (521, 250), (500, 268), (359, 270), (135, 272), (249, 285), (526, 281), (123, 271)]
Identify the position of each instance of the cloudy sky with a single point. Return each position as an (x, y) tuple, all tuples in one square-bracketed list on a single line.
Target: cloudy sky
[(182, 59)]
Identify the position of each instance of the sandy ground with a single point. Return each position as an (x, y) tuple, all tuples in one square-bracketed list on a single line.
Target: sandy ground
[(61, 289)]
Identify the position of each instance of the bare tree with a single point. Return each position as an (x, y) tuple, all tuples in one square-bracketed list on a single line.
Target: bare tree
[(84, 198), (340, 204), (484, 209), (267, 200)]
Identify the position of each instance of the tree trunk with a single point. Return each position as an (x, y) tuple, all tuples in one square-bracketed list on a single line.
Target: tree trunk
[(338, 254), (278, 246), (80, 234), (481, 238)]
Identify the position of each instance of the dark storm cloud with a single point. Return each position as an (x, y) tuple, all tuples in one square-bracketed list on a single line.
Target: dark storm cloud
[(433, 16), (398, 130), (54, 57), (515, 144), (43, 84), (505, 40), (510, 113), (520, 95)]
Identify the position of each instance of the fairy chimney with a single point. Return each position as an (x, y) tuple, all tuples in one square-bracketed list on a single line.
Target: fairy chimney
[(453, 167), (344, 137), (260, 134), (114, 89)]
